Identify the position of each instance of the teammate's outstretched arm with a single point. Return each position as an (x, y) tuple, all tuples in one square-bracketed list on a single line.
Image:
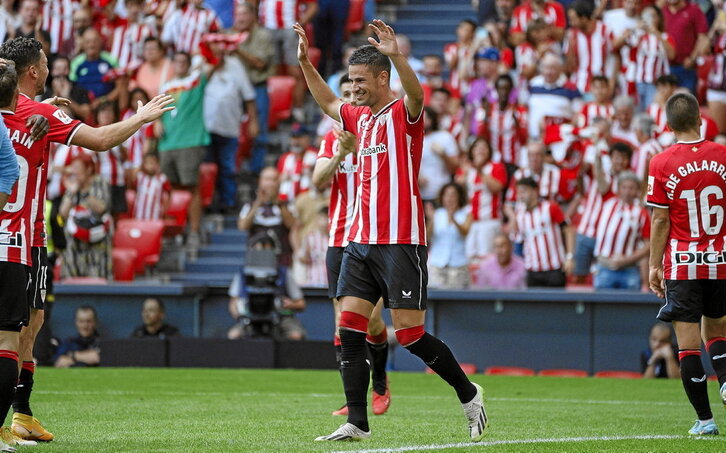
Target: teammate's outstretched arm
[(659, 230), (106, 137), (325, 167), (324, 96), (388, 46)]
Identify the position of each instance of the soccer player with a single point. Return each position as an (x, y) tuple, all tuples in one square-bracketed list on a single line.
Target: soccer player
[(337, 163), (31, 65), (687, 188), (386, 255)]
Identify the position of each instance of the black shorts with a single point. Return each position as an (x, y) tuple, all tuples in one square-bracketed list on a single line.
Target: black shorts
[(14, 311), (118, 199), (39, 278), (397, 272), (333, 260), (688, 300)]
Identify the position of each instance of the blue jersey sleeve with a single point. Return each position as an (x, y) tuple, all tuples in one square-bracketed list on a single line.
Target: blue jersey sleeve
[(9, 170)]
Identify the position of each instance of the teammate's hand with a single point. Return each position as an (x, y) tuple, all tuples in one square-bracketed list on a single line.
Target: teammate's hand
[(346, 141), (302, 45), (386, 43), (655, 278), (58, 101), (39, 126), (155, 107)]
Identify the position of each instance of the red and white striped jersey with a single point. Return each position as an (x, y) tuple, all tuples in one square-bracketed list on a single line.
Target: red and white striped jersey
[(110, 165), (592, 110), (342, 192), (657, 112), (388, 206), (525, 55), (549, 182), (61, 158), (280, 14), (150, 191), (314, 247), (296, 173), (542, 233), (689, 179), (716, 79), (186, 27), (507, 132), (461, 73), (58, 21), (484, 204), (554, 14), (642, 154), (591, 52), (17, 219), (593, 205), (621, 229), (651, 59), (135, 144), (127, 43)]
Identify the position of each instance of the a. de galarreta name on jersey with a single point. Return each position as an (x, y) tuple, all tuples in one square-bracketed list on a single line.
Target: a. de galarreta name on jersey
[(693, 167)]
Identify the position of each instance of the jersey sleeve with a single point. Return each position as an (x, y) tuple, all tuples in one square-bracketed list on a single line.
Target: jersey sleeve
[(326, 146), (656, 185), (556, 214), (499, 172), (349, 117), (62, 127)]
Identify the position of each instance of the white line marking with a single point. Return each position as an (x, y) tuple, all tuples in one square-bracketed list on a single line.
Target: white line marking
[(513, 442)]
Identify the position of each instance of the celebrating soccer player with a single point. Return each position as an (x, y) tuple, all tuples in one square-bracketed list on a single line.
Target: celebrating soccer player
[(687, 189), (386, 255), (31, 65)]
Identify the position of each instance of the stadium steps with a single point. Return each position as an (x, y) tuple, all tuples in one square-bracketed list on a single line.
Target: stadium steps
[(204, 278), (228, 236), (216, 264), (222, 251)]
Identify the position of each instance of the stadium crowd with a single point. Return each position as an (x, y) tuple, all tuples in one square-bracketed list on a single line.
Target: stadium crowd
[(540, 122)]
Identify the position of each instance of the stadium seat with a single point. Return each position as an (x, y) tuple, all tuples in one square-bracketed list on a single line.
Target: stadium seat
[(143, 236), (562, 373), (508, 371), (280, 89), (177, 212), (618, 374), (124, 264), (467, 368), (207, 182)]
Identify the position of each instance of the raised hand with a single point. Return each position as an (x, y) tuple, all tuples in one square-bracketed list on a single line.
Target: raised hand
[(302, 46), (155, 107), (346, 141), (386, 43)]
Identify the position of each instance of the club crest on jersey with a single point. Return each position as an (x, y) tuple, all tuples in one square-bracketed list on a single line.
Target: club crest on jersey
[(697, 257), (370, 150), (62, 117)]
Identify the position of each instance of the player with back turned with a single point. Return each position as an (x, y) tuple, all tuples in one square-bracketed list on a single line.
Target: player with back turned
[(386, 255), (687, 190)]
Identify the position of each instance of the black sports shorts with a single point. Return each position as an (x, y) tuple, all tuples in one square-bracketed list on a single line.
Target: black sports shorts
[(397, 272), (14, 310), (688, 300), (39, 284), (333, 260)]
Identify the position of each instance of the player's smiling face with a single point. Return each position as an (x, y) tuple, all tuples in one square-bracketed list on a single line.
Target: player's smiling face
[(365, 86)]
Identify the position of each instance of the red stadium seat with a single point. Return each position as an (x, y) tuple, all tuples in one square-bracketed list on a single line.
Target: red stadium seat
[(177, 212), (124, 264), (207, 182), (563, 373), (508, 371), (467, 368), (144, 236), (280, 90), (355, 16), (618, 374)]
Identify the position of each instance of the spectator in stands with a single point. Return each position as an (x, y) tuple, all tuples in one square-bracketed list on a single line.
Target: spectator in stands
[(29, 13), (541, 224), (459, 56), (506, 125), (307, 209), (546, 175), (589, 44), (312, 251), (334, 79), (330, 23), (153, 315), (288, 300), (481, 90), (686, 20), (601, 105), (660, 360), (155, 70), (184, 28), (183, 137), (619, 20), (82, 20), (257, 53), (440, 157), (716, 93), (127, 39), (83, 350), (502, 270), (648, 145), (553, 14), (90, 68), (269, 213), (447, 229), (61, 85), (665, 87), (142, 141), (111, 163), (404, 47), (85, 210), (153, 190), (228, 97), (623, 237), (296, 165), (622, 128), (654, 48), (529, 52), (9, 17), (622, 23), (552, 98)]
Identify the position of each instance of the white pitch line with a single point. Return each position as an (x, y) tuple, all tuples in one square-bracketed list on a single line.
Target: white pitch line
[(512, 442)]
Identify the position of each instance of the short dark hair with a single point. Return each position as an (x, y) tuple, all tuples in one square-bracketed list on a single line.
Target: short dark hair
[(468, 21), (529, 182), (154, 39), (8, 84), (343, 79), (186, 54), (372, 58), (433, 117), (151, 155), (599, 78), (25, 52), (158, 301), (682, 112), (583, 8), (90, 308), (107, 105), (668, 79), (505, 77), (460, 191), (622, 148), (470, 151), (442, 90)]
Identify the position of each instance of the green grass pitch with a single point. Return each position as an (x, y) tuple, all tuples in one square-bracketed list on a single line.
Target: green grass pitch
[(202, 410)]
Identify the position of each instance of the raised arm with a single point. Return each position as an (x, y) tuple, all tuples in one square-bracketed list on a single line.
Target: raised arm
[(106, 137), (324, 96), (325, 168)]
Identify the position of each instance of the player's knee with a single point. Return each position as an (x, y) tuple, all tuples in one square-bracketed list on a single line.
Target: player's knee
[(353, 321), (408, 336)]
